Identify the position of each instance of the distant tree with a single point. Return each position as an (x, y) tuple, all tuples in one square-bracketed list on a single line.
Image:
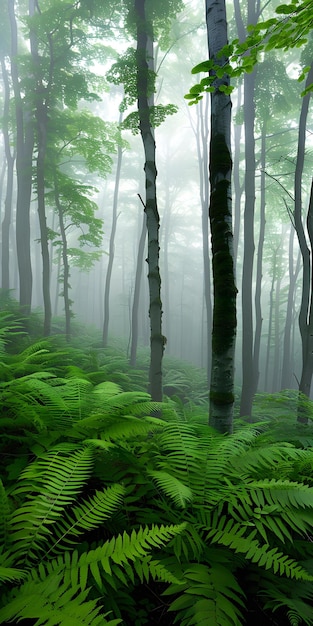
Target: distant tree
[(41, 98), (136, 297), (24, 156), (249, 366), (105, 331), (78, 136), (8, 169)]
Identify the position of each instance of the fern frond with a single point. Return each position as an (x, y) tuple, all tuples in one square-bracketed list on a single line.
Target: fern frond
[(211, 595), (86, 516), (50, 483), (4, 515), (52, 602), (11, 574), (172, 487), (273, 458), (115, 428), (263, 555), (120, 551), (105, 390), (294, 602)]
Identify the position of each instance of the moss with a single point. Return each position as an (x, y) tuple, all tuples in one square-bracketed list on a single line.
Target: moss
[(220, 157), (225, 291), (222, 398)]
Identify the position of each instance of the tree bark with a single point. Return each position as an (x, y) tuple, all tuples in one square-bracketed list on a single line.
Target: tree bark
[(157, 341), (248, 374), (136, 298), (203, 161), (220, 212), (238, 185), (259, 267), (24, 154), (41, 115), (108, 277), (288, 359), (65, 276), (306, 307), (10, 160)]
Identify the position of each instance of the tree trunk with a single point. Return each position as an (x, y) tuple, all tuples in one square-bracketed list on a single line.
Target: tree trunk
[(10, 160), (259, 268), (65, 276), (108, 277), (203, 160), (24, 154), (306, 312), (238, 186), (248, 374), (287, 364), (220, 212), (151, 208), (270, 326), (136, 298), (41, 115)]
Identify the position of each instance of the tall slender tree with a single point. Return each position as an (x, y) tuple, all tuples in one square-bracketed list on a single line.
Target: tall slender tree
[(105, 331), (42, 97), (220, 212), (9, 167), (24, 156), (144, 90), (306, 247)]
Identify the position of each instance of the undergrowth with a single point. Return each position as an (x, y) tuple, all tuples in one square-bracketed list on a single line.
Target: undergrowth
[(111, 514)]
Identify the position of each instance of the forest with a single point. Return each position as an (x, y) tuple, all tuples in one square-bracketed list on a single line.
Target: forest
[(156, 313)]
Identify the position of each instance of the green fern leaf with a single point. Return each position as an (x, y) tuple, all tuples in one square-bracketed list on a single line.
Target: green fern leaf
[(4, 515), (50, 484), (120, 550), (11, 574), (211, 595), (86, 516), (263, 555), (53, 603), (172, 487)]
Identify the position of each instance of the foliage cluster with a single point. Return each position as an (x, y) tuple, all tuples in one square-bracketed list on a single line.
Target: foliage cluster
[(112, 513), (290, 28)]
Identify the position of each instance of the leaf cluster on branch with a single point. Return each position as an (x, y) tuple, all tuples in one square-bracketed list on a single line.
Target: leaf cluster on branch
[(291, 28)]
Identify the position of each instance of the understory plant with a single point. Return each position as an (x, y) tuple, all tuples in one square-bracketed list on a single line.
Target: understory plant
[(118, 510)]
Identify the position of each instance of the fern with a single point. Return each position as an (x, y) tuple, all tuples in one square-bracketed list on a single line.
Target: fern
[(86, 516), (211, 595), (172, 487), (51, 483), (4, 515), (51, 602), (119, 551), (11, 574)]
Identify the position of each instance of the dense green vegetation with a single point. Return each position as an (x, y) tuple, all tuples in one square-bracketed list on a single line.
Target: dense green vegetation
[(119, 510)]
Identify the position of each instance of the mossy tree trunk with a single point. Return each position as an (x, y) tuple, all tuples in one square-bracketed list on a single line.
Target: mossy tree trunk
[(145, 86), (220, 212)]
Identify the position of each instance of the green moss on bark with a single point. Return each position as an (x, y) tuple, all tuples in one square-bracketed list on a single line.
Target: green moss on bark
[(224, 320), (222, 398)]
